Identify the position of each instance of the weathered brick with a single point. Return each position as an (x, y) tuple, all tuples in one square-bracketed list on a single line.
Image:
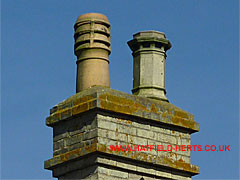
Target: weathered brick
[(59, 144), (126, 166), (61, 136), (74, 139), (163, 174), (90, 134), (107, 125), (138, 140), (111, 134), (126, 129), (103, 170), (143, 133), (146, 170), (140, 125), (185, 141), (178, 177), (122, 137), (103, 133), (106, 141), (117, 173), (106, 161)]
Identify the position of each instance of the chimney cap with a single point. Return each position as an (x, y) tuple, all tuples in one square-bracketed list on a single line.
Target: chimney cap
[(92, 17), (150, 33), (151, 37)]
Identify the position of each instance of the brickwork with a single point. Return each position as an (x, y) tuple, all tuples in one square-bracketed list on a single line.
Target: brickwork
[(112, 168), (74, 134), (117, 131), (81, 141), (112, 131)]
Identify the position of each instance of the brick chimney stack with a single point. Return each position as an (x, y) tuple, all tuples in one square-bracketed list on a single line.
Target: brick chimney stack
[(92, 48), (149, 55)]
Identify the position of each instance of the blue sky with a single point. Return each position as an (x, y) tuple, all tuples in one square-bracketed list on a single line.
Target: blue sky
[(38, 71)]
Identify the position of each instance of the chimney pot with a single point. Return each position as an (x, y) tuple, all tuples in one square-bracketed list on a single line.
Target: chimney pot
[(92, 48), (149, 55)]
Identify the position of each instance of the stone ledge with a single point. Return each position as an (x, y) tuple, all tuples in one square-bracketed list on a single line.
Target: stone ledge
[(162, 161), (118, 102)]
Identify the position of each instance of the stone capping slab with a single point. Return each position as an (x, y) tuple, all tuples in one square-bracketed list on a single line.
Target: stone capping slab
[(133, 155), (132, 43), (119, 102)]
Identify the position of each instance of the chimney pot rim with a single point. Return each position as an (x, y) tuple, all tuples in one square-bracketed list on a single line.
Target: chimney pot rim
[(92, 17), (149, 33)]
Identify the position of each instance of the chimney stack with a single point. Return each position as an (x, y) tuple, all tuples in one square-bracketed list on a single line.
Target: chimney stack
[(88, 126), (92, 48), (149, 55)]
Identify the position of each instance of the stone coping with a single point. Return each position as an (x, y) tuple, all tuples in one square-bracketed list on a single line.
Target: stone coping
[(114, 101)]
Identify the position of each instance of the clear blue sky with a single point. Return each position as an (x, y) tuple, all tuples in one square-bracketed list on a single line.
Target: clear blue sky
[(38, 71)]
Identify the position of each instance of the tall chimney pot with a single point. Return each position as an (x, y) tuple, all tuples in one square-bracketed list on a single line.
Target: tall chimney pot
[(149, 55), (92, 48)]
